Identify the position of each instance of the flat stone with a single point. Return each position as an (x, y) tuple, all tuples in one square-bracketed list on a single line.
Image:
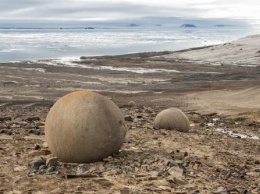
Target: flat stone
[(57, 190), (51, 169), (82, 169), (37, 147), (176, 172), (221, 190), (40, 152), (15, 126), (53, 161), (17, 179), (257, 170), (37, 162), (41, 128), (5, 119), (20, 168), (35, 132), (149, 110), (80, 188), (253, 174), (45, 145), (172, 163), (129, 118), (33, 119)]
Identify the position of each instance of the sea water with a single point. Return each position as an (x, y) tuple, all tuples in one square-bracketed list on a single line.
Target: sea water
[(34, 44)]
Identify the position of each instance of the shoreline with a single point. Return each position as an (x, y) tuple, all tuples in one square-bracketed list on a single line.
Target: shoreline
[(156, 73), (127, 55), (147, 72)]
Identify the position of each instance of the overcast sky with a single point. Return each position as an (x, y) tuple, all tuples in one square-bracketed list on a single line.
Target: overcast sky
[(92, 10)]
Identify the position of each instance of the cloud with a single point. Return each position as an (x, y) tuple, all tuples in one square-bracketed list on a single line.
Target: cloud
[(125, 9)]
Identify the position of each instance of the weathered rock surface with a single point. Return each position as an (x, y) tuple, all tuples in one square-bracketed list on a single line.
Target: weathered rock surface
[(84, 127), (172, 118)]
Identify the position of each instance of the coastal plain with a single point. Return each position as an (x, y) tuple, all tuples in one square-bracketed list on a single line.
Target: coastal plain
[(218, 87)]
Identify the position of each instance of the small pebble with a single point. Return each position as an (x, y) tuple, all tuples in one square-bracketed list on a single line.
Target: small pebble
[(37, 162), (129, 118), (172, 163), (51, 169)]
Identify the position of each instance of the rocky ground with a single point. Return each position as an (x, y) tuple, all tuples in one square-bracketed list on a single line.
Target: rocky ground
[(151, 161), (219, 155)]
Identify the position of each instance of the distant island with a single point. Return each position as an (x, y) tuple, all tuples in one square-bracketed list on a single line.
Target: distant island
[(220, 25), (133, 25), (188, 26), (90, 28)]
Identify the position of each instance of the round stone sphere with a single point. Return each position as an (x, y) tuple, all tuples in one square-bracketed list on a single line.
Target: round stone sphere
[(84, 126), (131, 104), (172, 118)]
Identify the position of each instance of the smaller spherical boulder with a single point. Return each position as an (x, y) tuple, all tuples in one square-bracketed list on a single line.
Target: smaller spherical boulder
[(131, 104), (84, 127), (172, 118)]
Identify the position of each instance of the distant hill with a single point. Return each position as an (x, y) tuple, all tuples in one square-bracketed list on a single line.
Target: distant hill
[(133, 25), (244, 51), (164, 22), (220, 25), (90, 28)]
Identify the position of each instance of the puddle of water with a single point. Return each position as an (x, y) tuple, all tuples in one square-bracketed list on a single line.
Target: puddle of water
[(236, 135), (213, 126), (35, 69), (67, 62), (70, 63)]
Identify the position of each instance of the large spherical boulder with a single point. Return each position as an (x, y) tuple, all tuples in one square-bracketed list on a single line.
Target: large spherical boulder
[(172, 118), (84, 126)]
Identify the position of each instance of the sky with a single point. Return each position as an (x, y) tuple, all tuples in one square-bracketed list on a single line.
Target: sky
[(107, 10)]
